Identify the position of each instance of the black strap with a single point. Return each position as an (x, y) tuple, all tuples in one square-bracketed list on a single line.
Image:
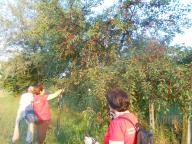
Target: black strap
[(126, 118)]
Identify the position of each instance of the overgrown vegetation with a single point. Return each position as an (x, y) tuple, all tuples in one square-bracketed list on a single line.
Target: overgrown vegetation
[(65, 45)]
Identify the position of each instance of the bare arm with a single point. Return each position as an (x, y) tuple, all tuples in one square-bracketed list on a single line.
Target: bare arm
[(54, 95)]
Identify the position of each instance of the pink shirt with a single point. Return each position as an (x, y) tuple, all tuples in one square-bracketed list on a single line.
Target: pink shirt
[(121, 130), (41, 107)]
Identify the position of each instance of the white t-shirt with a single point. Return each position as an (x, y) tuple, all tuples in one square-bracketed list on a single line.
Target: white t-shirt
[(25, 100)]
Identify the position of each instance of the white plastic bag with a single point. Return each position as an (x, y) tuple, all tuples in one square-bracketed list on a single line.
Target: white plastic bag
[(90, 140)]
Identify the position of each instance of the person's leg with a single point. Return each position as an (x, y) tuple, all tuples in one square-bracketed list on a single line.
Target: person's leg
[(19, 117), (15, 134), (41, 131), (30, 132)]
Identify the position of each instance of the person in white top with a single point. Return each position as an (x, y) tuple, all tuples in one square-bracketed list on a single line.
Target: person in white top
[(25, 101)]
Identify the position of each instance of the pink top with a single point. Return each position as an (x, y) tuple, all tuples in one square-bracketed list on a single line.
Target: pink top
[(121, 130), (41, 107)]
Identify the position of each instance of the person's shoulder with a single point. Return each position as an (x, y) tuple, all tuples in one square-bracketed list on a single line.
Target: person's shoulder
[(129, 115), (115, 123), (121, 122), (117, 120), (27, 94), (132, 117)]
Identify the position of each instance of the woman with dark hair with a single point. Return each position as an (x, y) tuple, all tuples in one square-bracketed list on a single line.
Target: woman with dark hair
[(44, 114), (120, 130)]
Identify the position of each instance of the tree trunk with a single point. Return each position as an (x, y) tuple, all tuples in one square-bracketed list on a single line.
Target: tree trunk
[(185, 131), (151, 116), (189, 133)]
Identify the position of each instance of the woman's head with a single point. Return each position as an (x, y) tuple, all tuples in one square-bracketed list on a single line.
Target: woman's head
[(38, 89), (118, 100), (30, 89)]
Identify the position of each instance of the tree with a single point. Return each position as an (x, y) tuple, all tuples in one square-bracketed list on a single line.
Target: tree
[(18, 73), (157, 19), (96, 53)]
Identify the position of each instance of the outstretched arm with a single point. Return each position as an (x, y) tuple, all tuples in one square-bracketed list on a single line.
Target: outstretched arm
[(54, 95)]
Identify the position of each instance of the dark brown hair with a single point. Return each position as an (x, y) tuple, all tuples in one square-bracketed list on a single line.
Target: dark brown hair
[(118, 100), (38, 89)]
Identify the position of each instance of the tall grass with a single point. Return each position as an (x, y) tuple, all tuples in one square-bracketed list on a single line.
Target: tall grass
[(165, 136), (74, 125), (8, 109)]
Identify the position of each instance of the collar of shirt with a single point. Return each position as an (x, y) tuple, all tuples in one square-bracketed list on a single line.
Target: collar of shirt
[(117, 114)]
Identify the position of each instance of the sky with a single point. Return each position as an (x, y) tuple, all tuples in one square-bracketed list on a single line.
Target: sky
[(184, 39)]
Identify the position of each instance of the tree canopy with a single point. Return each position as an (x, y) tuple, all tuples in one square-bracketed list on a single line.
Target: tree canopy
[(64, 43)]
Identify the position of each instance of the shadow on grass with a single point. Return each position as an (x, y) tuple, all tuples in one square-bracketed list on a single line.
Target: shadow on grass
[(67, 136), (70, 134)]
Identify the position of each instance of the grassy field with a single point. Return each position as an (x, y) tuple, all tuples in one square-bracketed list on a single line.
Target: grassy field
[(73, 125), (8, 108)]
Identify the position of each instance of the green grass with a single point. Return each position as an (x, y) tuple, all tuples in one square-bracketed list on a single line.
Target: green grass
[(73, 125), (8, 109)]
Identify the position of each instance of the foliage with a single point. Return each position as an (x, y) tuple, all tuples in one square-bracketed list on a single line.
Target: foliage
[(158, 19), (165, 136), (63, 45), (16, 77)]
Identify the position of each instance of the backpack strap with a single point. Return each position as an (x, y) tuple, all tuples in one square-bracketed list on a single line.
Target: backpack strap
[(126, 118), (142, 135)]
